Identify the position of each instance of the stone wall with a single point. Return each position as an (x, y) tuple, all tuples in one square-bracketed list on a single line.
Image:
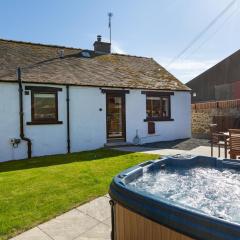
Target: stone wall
[(225, 113), (200, 123)]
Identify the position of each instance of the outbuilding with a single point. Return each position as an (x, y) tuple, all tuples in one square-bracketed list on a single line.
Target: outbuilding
[(56, 100)]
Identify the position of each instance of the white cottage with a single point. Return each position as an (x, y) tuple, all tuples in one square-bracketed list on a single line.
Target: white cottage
[(56, 100)]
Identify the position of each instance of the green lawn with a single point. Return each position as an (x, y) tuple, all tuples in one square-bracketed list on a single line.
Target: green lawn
[(36, 190)]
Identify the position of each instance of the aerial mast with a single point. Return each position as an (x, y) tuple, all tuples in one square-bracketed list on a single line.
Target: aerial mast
[(110, 15)]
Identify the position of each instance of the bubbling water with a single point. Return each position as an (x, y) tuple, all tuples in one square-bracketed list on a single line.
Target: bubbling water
[(211, 191)]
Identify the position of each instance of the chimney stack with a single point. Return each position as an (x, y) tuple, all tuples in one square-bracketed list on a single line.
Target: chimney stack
[(101, 47)]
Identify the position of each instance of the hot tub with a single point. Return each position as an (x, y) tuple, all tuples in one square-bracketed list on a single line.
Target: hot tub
[(177, 198)]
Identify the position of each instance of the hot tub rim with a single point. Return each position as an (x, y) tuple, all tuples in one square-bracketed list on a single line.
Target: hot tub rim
[(214, 227)]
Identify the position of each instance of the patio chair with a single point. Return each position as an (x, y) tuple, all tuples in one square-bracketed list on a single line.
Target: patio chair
[(212, 129), (234, 143), (219, 140)]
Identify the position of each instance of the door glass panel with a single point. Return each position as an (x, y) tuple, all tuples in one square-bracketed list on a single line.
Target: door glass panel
[(115, 117)]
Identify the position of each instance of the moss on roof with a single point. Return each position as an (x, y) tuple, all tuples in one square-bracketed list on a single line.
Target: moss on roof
[(41, 64)]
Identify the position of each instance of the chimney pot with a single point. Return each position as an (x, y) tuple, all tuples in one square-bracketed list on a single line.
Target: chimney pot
[(99, 38)]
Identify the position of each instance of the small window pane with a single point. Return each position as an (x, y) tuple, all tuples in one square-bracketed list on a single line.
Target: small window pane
[(156, 110), (157, 107), (165, 102), (44, 106), (149, 108), (154, 107)]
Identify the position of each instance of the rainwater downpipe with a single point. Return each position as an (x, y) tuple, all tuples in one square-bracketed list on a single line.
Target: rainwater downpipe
[(68, 121), (22, 136)]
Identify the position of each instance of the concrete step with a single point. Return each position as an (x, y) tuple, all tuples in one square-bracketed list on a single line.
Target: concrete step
[(117, 144)]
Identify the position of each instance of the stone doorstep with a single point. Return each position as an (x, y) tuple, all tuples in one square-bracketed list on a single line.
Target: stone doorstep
[(89, 221)]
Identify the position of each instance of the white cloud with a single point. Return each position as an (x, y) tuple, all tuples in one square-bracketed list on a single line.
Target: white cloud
[(186, 70), (116, 48), (192, 65)]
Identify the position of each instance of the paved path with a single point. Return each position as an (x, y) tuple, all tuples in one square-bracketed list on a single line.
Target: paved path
[(91, 221), (182, 144), (200, 150)]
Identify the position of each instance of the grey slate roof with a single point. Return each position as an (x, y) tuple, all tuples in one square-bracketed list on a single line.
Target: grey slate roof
[(42, 64)]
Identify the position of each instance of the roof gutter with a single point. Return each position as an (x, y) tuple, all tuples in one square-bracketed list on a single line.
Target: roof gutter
[(22, 135), (98, 86)]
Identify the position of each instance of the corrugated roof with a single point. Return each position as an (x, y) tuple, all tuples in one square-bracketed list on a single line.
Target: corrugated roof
[(41, 64)]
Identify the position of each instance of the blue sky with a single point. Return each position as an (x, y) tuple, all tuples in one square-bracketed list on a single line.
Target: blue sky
[(155, 28)]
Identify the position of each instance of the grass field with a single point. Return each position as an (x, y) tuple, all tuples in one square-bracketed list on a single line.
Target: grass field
[(33, 191)]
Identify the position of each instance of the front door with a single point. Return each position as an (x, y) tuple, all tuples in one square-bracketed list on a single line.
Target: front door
[(116, 116)]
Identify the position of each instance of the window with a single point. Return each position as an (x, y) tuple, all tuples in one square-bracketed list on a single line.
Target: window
[(44, 107), (158, 106)]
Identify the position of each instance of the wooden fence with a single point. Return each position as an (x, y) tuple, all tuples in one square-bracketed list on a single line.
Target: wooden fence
[(217, 104)]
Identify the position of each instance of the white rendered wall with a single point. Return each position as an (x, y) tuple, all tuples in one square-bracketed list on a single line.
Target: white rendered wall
[(180, 128), (9, 123), (87, 122), (46, 139)]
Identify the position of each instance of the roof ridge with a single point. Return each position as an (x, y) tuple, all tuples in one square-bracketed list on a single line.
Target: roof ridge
[(61, 46), (129, 55), (38, 44)]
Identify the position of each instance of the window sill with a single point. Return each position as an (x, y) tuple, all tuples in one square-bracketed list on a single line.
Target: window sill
[(44, 123), (158, 119)]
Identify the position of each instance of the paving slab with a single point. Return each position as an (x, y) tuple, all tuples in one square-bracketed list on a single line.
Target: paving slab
[(181, 144), (200, 150), (206, 151), (89, 221), (162, 152), (108, 221), (99, 208), (99, 232), (69, 225), (33, 234)]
